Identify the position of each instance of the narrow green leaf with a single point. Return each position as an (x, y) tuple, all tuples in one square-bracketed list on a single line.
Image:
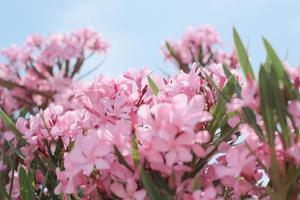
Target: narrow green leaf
[(3, 193), (150, 187), (226, 71), (161, 183), (51, 182), (135, 151), (12, 161), (272, 56), (250, 118), (176, 58), (9, 124), (267, 96), (249, 115), (196, 184), (16, 150), (203, 161), (242, 55), (59, 152), (121, 159), (31, 173), (26, 188), (219, 110), (170, 49), (267, 102), (280, 107), (23, 111), (153, 86), (280, 70)]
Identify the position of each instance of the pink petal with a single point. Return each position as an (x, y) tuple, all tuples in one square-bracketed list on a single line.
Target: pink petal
[(139, 195), (202, 137), (102, 164), (70, 187), (180, 99), (199, 151), (184, 154), (88, 168), (118, 190), (58, 189), (185, 139), (103, 149), (171, 158), (197, 103), (160, 145)]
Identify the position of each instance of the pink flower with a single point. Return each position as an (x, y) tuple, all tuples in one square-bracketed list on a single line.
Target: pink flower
[(65, 185), (250, 97), (237, 161), (137, 76), (89, 152), (175, 148), (294, 110), (15, 187), (129, 192), (2, 166), (35, 40), (207, 194), (294, 152), (66, 126), (198, 45)]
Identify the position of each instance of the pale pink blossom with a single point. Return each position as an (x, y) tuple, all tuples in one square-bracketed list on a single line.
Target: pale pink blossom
[(129, 191)]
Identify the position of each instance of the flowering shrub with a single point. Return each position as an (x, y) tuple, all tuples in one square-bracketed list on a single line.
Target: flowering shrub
[(42, 70), (203, 133), (201, 46)]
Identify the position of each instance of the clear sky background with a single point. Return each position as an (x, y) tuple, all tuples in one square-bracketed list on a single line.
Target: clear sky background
[(137, 28)]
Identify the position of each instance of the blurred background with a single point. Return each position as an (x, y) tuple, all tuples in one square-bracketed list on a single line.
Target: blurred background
[(136, 29)]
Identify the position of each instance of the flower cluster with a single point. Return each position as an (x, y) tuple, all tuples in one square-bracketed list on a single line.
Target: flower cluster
[(204, 134), (198, 46), (42, 70), (119, 118)]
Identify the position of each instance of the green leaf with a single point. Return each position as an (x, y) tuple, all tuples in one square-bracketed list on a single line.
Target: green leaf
[(31, 173), (267, 96), (59, 152), (161, 183), (280, 70), (26, 187), (3, 193), (182, 66), (121, 159), (203, 161), (242, 55), (280, 107), (250, 118), (273, 104), (249, 115), (135, 150), (23, 111), (150, 187), (196, 184), (9, 124), (16, 150), (219, 110), (267, 102), (51, 182), (170, 49), (153, 86), (226, 71)]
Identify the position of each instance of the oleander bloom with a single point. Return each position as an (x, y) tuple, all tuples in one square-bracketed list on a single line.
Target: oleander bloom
[(194, 135), (89, 152)]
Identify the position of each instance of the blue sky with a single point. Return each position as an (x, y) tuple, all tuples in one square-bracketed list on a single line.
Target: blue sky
[(136, 29)]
